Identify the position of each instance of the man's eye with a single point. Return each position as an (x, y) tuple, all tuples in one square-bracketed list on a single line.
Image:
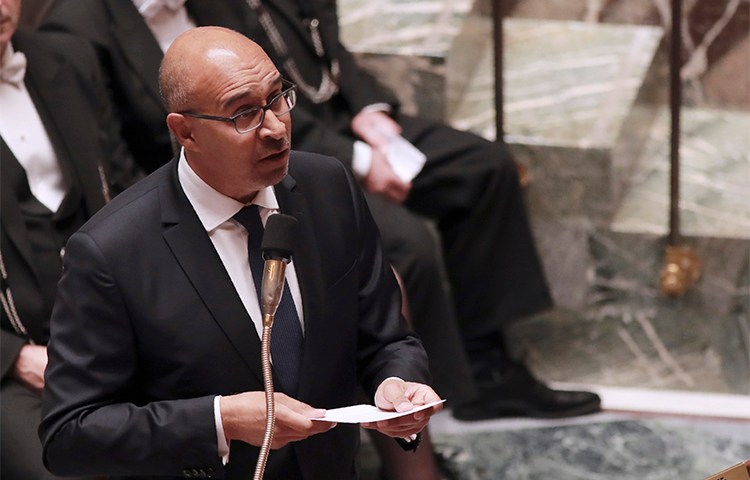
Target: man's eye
[(246, 114)]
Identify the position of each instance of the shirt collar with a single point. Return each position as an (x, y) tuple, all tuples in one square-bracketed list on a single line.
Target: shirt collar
[(151, 8), (215, 208), (12, 67)]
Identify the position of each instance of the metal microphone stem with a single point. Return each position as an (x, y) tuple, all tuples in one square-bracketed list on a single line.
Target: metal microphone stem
[(260, 466), (273, 287)]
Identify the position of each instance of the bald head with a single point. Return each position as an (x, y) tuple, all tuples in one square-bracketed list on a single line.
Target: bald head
[(196, 56)]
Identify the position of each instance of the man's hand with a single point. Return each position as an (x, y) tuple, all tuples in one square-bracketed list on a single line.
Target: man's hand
[(382, 180), (395, 394), (374, 128), (30, 365), (244, 418)]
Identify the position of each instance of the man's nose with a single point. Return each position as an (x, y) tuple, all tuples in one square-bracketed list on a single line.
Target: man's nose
[(272, 125)]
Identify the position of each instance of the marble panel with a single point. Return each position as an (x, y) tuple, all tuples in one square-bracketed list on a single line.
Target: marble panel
[(417, 80), (417, 49), (599, 449), (566, 83), (562, 243), (401, 27), (567, 181), (714, 177), (712, 29), (629, 334), (642, 450)]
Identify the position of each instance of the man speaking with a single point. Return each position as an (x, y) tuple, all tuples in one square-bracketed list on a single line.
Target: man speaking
[(154, 358)]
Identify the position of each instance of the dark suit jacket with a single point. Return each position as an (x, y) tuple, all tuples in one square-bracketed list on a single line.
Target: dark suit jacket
[(130, 57), (66, 87), (148, 328), (319, 128)]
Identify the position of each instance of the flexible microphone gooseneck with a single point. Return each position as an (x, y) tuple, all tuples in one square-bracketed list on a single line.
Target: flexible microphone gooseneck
[(277, 248)]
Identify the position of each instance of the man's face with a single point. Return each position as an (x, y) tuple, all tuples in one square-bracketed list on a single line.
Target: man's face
[(10, 11), (239, 164)]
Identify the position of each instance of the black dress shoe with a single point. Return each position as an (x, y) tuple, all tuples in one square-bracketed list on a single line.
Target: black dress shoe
[(516, 393)]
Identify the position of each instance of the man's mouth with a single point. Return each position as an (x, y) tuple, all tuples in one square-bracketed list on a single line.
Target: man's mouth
[(276, 155)]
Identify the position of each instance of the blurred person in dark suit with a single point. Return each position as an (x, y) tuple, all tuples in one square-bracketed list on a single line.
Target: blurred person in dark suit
[(61, 159), (130, 38)]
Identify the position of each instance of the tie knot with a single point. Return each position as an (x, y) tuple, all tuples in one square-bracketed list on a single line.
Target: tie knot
[(13, 69), (249, 217)]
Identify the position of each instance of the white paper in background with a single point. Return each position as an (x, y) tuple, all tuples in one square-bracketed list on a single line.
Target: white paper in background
[(366, 413), (404, 158)]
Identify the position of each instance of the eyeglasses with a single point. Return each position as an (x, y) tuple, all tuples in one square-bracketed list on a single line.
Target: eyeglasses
[(252, 118)]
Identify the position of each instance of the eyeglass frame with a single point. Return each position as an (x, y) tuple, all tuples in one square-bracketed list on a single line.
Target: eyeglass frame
[(291, 88)]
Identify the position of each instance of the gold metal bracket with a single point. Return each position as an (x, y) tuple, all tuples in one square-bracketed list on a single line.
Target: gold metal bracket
[(682, 268)]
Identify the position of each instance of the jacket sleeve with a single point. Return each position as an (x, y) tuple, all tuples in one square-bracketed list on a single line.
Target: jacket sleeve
[(10, 346), (386, 346), (357, 86), (92, 420)]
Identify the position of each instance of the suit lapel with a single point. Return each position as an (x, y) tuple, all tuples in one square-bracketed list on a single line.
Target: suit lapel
[(289, 9), (286, 20), (197, 256), (211, 12), (138, 44), (12, 223), (53, 87)]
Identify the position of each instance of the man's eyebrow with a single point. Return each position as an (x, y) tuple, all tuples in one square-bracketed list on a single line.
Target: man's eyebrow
[(249, 90)]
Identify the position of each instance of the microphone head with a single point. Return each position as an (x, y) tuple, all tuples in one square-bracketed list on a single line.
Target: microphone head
[(278, 238)]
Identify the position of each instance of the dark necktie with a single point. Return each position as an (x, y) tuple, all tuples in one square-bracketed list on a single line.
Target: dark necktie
[(286, 334)]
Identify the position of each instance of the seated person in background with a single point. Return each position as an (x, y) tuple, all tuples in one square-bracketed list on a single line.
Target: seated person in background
[(144, 370), (130, 38), (468, 187), (60, 160)]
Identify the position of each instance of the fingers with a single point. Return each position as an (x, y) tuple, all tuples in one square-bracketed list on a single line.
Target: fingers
[(398, 395), (383, 181), (397, 193), (292, 421), (401, 427), (300, 407), (375, 127), (392, 395)]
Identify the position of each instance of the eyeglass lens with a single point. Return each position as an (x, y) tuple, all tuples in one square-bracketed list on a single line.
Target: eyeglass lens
[(279, 105)]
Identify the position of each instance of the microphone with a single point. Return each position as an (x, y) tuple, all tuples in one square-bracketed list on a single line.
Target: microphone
[(277, 248)]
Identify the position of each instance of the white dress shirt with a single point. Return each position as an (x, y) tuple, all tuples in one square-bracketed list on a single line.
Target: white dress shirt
[(215, 211), (24, 133)]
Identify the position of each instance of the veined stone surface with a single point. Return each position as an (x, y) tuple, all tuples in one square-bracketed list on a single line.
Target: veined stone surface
[(401, 27), (714, 177), (566, 83)]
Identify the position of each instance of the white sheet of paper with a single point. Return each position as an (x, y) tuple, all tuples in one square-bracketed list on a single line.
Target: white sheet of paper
[(405, 159), (366, 413)]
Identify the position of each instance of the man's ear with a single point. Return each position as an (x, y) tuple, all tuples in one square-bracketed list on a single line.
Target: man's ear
[(180, 128)]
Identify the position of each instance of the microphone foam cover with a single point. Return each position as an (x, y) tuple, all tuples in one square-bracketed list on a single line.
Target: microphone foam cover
[(278, 238)]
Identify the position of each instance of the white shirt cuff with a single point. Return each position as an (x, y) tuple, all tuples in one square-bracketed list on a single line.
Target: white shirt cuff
[(361, 159), (220, 437), (378, 107)]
